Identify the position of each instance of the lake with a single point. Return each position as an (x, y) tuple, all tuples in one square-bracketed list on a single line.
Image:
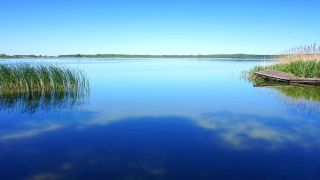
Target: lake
[(165, 119)]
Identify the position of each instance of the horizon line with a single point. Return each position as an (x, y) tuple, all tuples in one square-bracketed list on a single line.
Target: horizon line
[(129, 54)]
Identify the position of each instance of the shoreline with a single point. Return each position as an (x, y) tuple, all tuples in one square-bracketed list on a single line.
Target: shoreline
[(137, 58), (104, 56)]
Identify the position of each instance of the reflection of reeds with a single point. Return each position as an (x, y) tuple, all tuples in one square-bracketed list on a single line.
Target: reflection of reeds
[(305, 99), (300, 92), (31, 87)]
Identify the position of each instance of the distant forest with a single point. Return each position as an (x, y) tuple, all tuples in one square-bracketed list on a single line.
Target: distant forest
[(236, 56)]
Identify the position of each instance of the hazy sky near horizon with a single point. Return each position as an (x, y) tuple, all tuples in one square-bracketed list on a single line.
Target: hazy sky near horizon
[(55, 27)]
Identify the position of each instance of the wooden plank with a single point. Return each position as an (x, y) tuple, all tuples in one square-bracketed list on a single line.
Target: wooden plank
[(283, 77), (275, 74)]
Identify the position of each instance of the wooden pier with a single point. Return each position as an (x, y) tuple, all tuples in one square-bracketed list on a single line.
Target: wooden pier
[(286, 78)]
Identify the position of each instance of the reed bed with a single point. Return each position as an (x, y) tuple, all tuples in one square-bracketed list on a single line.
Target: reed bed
[(301, 53), (302, 61), (46, 86)]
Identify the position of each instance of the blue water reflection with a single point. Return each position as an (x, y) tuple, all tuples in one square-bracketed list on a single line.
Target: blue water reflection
[(163, 119)]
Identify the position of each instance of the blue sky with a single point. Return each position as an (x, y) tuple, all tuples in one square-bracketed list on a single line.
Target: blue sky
[(55, 27)]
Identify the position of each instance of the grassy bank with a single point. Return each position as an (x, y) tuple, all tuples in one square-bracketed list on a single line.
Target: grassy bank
[(302, 62), (305, 69)]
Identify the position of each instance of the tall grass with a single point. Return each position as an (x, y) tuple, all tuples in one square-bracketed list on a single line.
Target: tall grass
[(301, 53), (303, 69), (45, 86), (302, 61)]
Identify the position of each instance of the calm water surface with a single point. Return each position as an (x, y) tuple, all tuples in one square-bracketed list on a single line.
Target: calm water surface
[(165, 119)]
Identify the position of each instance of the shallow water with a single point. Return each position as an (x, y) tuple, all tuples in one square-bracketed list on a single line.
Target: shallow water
[(165, 119)]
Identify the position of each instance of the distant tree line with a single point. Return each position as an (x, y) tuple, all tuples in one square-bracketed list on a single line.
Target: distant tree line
[(5, 56), (239, 56), (235, 56)]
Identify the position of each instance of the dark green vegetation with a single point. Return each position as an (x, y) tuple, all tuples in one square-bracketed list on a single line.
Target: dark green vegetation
[(302, 61), (4, 56), (238, 56), (304, 69), (32, 87)]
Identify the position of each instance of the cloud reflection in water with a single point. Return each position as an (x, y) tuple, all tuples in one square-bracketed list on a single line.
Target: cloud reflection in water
[(236, 131), (241, 131)]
